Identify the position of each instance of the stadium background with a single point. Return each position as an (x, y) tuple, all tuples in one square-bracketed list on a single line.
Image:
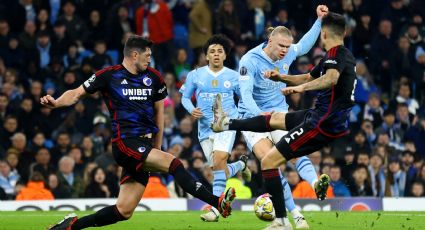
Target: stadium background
[(53, 46)]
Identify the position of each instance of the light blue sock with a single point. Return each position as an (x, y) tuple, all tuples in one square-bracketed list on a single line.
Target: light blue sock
[(287, 193), (219, 183), (306, 170), (235, 168)]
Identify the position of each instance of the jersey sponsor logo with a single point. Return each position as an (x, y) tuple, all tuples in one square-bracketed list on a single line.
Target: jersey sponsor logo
[(147, 81), (244, 78), (137, 92), (141, 149), (90, 80), (211, 96), (124, 82), (243, 71), (331, 62), (227, 84)]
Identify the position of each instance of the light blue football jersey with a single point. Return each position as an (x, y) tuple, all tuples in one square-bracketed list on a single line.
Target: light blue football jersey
[(206, 85), (259, 94)]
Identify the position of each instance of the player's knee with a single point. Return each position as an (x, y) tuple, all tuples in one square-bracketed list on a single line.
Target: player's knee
[(220, 160), (125, 211), (268, 163)]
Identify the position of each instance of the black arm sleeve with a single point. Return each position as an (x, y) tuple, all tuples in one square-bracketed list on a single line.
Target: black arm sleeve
[(96, 82)]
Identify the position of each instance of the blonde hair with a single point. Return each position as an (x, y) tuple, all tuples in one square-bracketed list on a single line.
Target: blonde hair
[(282, 30)]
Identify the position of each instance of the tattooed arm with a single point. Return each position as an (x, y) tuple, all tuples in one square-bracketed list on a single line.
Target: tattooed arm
[(288, 79), (323, 82)]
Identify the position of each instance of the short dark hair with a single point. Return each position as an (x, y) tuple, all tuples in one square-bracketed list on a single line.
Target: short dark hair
[(335, 22), (138, 43), (218, 39)]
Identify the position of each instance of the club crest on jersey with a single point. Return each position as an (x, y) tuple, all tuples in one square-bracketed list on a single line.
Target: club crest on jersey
[(285, 67), (243, 71), (227, 84), (147, 81), (141, 149)]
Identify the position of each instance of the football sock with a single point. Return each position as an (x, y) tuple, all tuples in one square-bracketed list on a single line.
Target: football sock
[(219, 183), (105, 216), (190, 185), (235, 168), (287, 193), (306, 170), (274, 188), (255, 124)]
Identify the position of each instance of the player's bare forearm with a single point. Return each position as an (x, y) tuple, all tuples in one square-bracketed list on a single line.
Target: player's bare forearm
[(68, 98), (294, 80), (159, 119), (324, 82)]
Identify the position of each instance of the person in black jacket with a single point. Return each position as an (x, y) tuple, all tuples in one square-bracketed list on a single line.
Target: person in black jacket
[(97, 187)]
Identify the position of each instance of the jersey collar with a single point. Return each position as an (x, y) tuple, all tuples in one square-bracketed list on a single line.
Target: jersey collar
[(213, 73)]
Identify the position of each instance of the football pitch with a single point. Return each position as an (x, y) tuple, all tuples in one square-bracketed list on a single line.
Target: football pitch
[(238, 220)]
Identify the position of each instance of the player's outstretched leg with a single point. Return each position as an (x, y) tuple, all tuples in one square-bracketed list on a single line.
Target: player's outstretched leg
[(271, 175), (165, 162), (299, 220), (220, 178)]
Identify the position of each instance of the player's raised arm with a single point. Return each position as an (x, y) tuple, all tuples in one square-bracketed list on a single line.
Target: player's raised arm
[(310, 38), (291, 80), (68, 98), (246, 85)]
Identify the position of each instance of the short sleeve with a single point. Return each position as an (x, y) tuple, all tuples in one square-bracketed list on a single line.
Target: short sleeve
[(188, 88), (97, 82), (335, 60), (160, 91), (315, 72)]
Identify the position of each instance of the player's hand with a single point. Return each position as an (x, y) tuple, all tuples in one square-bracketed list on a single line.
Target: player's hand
[(196, 113), (322, 11), (49, 102), (293, 89), (272, 75)]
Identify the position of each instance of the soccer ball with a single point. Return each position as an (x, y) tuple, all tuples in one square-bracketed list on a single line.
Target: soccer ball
[(263, 208)]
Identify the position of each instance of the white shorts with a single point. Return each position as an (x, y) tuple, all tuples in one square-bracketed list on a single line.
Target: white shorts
[(252, 138), (218, 142)]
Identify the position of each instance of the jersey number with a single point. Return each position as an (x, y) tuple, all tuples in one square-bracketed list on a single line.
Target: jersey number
[(295, 133), (354, 88)]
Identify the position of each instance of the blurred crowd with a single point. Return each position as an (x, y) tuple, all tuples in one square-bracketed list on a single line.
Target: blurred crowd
[(50, 46)]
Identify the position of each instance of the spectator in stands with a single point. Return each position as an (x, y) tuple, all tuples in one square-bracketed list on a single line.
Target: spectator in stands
[(403, 118), (377, 175), (4, 102), (42, 163), (363, 158), (100, 59), (42, 54), (96, 29), (360, 142), (340, 189), (227, 20), (4, 33), (201, 23), (43, 23), (76, 27), (97, 188), (373, 110), (362, 35), (255, 22), (397, 13), (365, 85), (396, 178), (106, 159), (244, 192), (8, 179), (66, 176), (13, 54), (35, 189), (181, 67), (405, 96), (390, 128), (27, 38), (63, 144), (12, 158), (360, 186), (418, 189), (76, 154), (60, 39), (57, 189), (419, 72), (19, 142), (9, 128), (119, 25), (156, 187), (416, 134)]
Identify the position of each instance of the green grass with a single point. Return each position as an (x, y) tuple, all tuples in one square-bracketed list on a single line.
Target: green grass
[(239, 220)]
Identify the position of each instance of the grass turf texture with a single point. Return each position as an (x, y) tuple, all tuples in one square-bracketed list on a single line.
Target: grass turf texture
[(238, 220)]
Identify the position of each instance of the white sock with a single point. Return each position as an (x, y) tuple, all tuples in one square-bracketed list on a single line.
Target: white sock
[(286, 221), (314, 182)]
